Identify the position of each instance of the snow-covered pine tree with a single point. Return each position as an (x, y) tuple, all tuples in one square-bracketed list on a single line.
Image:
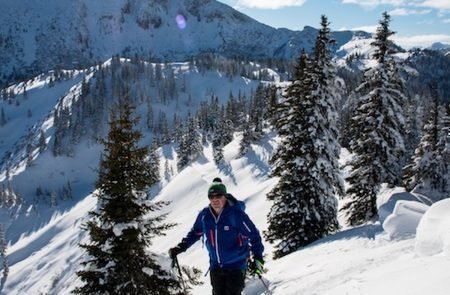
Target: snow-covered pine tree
[(427, 170), (217, 146), (414, 121), (42, 145), (117, 261), (3, 119), (177, 128), (3, 250), (446, 144), (260, 113), (222, 135), (162, 127), (376, 130), (218, 142), (150, 117), (29, 153), (259, 108), (305, 205), (247, 138), (271, 100), (153, 163), (190, 147)]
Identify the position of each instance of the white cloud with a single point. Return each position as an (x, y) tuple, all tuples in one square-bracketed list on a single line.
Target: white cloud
[(438, 4), (408, 42), (269, 4), (373, 3), (420, 40), (404, 11), (368, 29), (446, 21)]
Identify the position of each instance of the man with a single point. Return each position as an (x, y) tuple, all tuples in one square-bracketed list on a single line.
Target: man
[(230, 236)]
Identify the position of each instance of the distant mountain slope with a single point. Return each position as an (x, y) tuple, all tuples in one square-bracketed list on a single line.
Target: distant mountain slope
[(41, 35)]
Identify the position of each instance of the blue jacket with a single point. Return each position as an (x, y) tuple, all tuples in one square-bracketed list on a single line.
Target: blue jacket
[(229, 237)]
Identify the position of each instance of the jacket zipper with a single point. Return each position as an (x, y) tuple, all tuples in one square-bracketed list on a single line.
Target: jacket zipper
[(217, 248), (215, 241)]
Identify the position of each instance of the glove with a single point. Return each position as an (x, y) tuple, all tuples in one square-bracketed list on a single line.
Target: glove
[(180, 248), (256, 266)]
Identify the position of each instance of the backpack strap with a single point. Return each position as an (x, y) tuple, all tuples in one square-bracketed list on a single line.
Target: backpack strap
[(239, 204), (235, 202)]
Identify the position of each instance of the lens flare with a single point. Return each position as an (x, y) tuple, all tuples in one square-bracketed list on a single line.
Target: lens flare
[(181, 21)]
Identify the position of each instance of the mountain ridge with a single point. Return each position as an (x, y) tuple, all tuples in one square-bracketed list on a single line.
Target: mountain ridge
[(65, 34)]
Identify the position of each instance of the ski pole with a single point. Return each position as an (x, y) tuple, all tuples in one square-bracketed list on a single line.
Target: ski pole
[(264, 283), (260, 277), (175, 263)]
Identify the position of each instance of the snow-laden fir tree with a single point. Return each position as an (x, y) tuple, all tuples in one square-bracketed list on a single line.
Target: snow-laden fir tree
[(259, 107), (217, 146), (3, 119), (218, 141), (42, 141), (119, 229), (304, 200), (259, 114), (190, 147), (427, 172), (153, 162), (376, 130), (247, 138), (3, 250), (222, 135), (414, 121)]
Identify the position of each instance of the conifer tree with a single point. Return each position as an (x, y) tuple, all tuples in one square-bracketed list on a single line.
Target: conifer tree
[(3, 250), (153, 163), (29, 153), (217, 146), (376, 130), (3, 119), (246, 138), (42, 141), (222, 135), (427, 171), (218, 142), (118, 262), (414, 121), (258, 111), (305, 205), (190, 147)]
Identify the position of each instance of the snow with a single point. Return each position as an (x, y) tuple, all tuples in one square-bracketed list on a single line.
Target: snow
[(364, 260), (433, 232), (148, 271), (95, 30), (46, 259), (119, 228), (405, 252), (405, 218)]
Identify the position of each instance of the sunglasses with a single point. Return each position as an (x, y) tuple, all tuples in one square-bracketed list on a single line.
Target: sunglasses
[(215, 196)]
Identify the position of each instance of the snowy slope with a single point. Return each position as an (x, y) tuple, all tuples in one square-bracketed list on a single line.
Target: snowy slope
[(50, 174), (43, 256), (357, 53), (364, 260)]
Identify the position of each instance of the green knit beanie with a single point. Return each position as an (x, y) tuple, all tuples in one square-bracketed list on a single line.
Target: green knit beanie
[(217, 187)]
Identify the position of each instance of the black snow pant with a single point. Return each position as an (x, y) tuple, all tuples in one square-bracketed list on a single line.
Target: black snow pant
[(227, 282)]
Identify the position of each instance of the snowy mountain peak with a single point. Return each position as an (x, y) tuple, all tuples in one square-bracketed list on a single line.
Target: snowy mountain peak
[(68, 34)]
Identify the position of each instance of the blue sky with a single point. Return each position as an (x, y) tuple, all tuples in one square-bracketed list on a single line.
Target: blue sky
[(416, 22)]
